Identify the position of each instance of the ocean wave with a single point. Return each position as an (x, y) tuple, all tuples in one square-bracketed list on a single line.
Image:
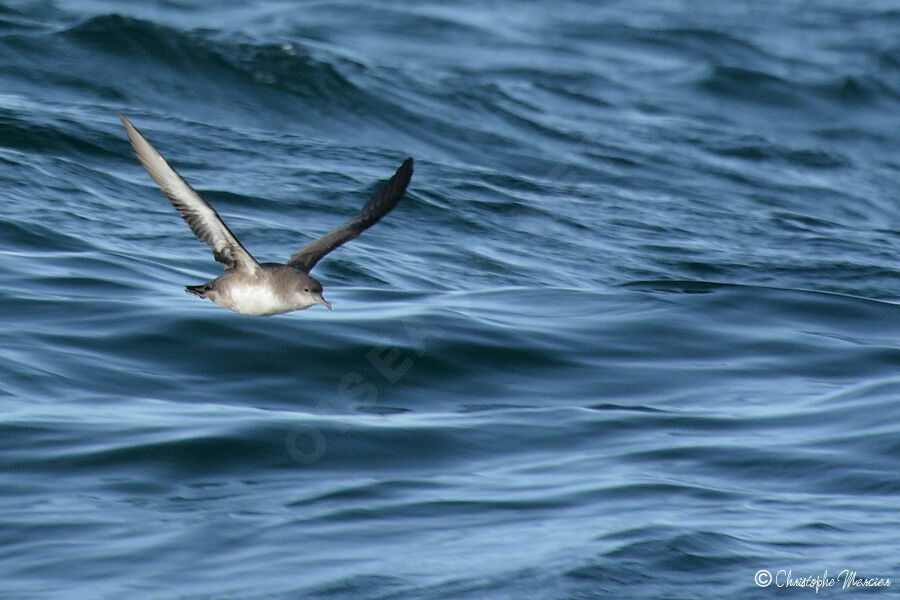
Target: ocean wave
[(633, 329), (284, 67)]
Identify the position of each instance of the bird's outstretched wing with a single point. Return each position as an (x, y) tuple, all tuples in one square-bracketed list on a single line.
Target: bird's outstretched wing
[(200, 216), (378, 205)]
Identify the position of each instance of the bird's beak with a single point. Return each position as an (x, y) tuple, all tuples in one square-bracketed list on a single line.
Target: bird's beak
[(321, 300)]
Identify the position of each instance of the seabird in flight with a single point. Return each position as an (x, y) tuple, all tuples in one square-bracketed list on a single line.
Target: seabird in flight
[(247, 286)]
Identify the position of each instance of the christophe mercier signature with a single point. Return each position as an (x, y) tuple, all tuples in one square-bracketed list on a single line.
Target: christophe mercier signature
[(847, 579)]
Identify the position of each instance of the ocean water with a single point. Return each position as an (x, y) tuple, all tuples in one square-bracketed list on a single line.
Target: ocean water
[(633, 332)]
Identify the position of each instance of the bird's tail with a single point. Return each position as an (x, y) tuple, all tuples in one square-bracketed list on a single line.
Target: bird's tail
[(197, 290)]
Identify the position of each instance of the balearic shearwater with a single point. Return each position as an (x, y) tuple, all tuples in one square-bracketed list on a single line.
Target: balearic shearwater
[(247, 286)]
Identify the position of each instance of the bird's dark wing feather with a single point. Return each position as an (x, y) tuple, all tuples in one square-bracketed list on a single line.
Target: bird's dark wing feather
[(200, 216), (378, 205)]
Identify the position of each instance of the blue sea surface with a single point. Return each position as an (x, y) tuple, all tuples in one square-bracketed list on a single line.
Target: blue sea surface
[(633, 332)]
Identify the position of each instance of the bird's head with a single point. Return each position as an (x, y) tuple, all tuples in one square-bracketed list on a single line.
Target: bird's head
[(311, 290)]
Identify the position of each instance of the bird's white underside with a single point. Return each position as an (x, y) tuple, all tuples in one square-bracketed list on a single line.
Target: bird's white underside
[(259, 298)]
